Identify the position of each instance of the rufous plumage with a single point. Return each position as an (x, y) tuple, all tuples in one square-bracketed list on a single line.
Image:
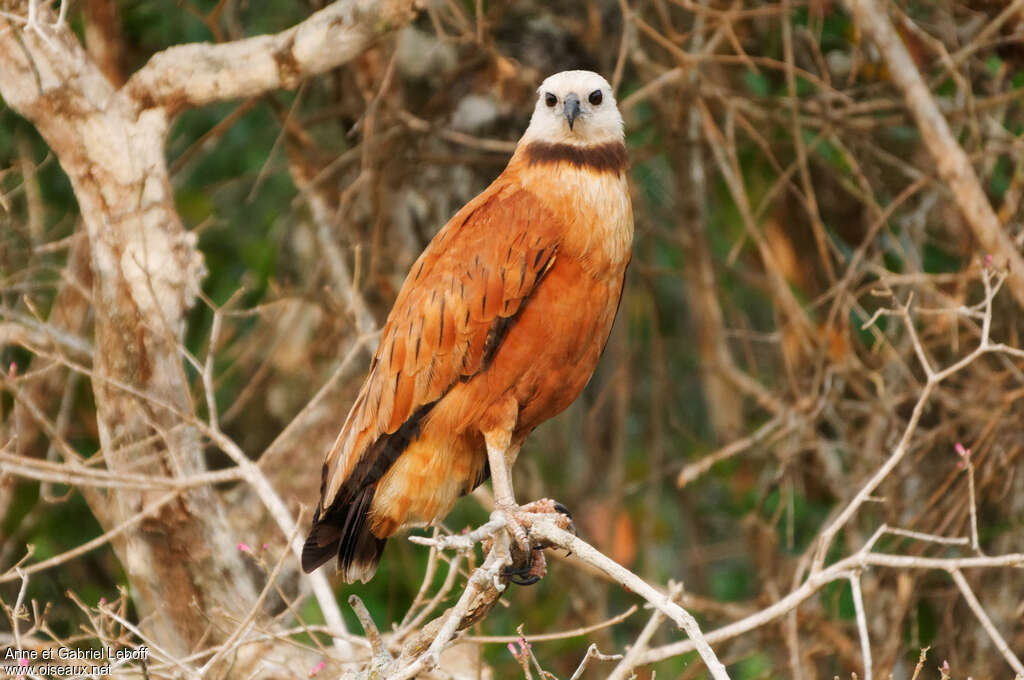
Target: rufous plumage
[(499, 325)]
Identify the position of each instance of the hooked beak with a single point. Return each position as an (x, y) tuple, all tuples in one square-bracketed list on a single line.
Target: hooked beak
[(572, 109)]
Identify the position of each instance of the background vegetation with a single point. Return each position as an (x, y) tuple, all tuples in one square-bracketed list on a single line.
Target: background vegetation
[(798, 256)]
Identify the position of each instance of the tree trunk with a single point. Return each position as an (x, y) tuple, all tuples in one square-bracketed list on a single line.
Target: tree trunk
[(147, 271), (181, 558)]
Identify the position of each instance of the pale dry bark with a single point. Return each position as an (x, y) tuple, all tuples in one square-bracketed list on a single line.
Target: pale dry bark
[(182, 562), (147, 273)]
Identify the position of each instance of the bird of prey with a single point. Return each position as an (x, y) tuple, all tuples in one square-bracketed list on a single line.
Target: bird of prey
[(498, 327)]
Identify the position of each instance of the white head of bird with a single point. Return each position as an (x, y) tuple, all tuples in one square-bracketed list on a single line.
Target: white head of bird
[(575, 107)]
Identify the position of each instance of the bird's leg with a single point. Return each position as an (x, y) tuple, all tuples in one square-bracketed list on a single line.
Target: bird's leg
[(501, 478), (500, 454), (528, 561), (528, 565)]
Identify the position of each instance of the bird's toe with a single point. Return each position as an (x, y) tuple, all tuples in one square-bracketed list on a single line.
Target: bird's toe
[(517, 532), (547, 506)]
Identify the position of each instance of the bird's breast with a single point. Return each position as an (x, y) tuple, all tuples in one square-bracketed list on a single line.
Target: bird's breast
[(554, 346), (594, 208)]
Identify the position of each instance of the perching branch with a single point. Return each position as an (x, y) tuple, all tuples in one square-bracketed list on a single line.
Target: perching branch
[(546, 530)]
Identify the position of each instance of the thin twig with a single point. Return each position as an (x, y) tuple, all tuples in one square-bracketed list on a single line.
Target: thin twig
[(862, 624), (547, 530), (625, 667), (592, 653), (986, 622)]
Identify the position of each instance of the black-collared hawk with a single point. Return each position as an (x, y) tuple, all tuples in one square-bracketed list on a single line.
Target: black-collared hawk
[(498, 327)]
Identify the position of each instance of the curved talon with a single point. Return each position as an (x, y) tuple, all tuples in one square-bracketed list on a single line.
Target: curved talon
[(570, 525), (528, 581), (529, 573), (520, 576)]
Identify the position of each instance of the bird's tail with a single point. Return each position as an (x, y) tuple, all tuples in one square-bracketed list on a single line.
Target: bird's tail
[(345, 532)]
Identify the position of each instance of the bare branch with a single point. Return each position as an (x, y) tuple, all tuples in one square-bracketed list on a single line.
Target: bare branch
[(546, 529), (198, 74), (953, 165)]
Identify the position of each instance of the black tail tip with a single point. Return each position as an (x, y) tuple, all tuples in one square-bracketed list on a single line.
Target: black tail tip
[(358, 561), (358, 555), (322, 544)]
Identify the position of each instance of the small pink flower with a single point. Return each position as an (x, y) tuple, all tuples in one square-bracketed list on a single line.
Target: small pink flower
[(244, 547), (12, 370), (103, 601), (988, 260), (521, 653), (316, 669), (964, 453), (264, 546), (22, 661)]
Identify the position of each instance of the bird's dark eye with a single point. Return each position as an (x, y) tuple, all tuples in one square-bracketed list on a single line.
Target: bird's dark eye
[(596, 97), (550, 99)]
